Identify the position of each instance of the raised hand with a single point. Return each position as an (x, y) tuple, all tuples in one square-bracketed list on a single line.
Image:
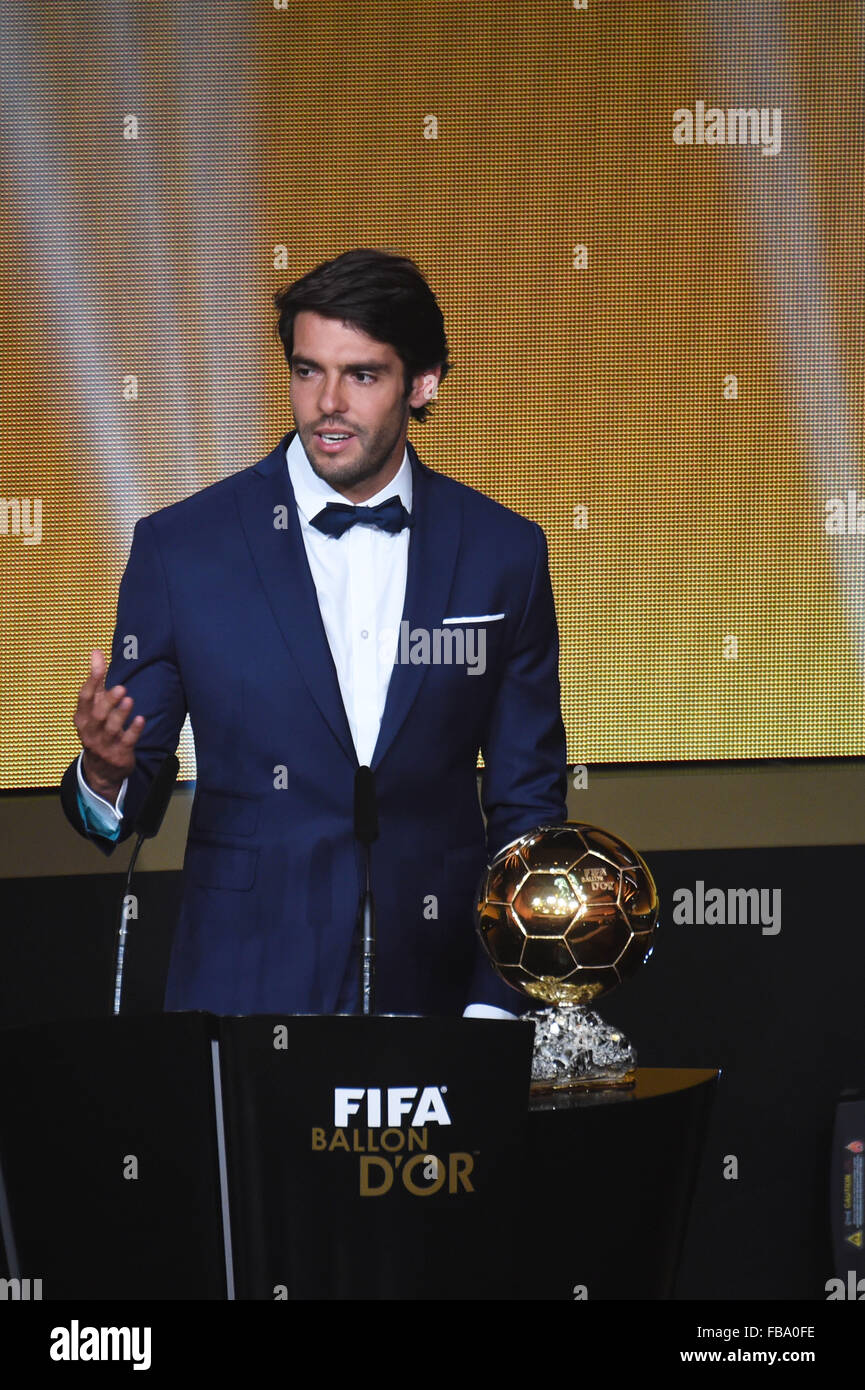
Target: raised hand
[(100, 717)]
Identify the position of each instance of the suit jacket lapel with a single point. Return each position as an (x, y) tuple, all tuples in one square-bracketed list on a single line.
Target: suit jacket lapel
[(432, 557), (268, 513), (280, 557)]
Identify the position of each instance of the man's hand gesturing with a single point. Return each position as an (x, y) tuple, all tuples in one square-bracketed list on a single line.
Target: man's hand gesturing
[(109, 748)]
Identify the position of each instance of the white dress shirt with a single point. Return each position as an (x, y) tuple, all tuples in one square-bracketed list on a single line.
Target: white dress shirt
[(360, 580)]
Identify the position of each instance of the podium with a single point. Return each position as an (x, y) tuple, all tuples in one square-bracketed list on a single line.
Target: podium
[(188, 1156)]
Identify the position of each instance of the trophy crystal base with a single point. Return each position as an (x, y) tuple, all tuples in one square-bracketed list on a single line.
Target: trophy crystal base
[(575, 1049)]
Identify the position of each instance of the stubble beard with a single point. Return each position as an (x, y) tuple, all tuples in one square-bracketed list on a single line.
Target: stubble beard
[(359, 470)]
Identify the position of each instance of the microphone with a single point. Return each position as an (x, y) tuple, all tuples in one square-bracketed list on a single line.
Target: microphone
[(366, 831), (147, 824), (365, 806)]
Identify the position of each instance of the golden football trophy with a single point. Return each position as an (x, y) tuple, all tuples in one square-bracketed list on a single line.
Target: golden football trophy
[(566, 912)]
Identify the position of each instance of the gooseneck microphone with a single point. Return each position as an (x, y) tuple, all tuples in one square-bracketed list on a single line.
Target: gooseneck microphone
[(146, 826), (366, 830)]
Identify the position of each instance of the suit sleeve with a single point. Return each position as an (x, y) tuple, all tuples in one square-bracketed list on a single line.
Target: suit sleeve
[(144, 659), (525, 777)]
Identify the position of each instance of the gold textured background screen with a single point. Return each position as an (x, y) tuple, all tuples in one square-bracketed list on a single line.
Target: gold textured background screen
[(657, 345)]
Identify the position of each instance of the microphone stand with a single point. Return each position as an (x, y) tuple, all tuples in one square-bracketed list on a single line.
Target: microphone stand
[(120, 935), (147, 825), (367, 955), (366, 830)]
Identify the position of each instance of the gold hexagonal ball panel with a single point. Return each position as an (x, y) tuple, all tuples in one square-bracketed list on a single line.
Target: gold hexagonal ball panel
[(550, 847), (638, 898), (546, 903), (504, 877), (501, 934), (599, 938), (596, 879)]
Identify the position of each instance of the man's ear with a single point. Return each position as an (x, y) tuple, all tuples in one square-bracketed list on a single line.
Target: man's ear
[(426, 387)]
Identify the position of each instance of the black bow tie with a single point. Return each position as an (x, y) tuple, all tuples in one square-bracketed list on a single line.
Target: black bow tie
[(338, 517)]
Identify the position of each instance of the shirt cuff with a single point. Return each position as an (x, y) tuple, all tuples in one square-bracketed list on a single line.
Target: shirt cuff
[(99, 814), (486, 1011)]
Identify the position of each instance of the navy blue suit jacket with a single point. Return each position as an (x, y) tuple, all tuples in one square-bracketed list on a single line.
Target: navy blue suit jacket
[(224, 609)]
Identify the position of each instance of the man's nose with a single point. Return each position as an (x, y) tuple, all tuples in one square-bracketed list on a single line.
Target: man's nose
[(331, 399)]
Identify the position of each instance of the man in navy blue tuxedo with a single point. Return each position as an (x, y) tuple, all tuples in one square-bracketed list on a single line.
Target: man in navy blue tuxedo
[(337, 604)]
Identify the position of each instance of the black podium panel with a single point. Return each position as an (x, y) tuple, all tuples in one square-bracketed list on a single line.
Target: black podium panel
[(613, 1172), (376, 1158), (108, 1159)]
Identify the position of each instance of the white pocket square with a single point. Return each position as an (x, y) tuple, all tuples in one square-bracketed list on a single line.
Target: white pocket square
[(480, 618)]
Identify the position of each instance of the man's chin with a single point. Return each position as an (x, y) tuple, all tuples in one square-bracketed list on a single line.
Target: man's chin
[(338, 470), (339, 473)]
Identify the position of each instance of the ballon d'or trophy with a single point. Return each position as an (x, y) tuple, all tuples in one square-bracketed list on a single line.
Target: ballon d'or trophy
[(566, 912)]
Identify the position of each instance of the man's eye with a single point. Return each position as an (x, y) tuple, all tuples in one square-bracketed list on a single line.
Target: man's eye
[(303, 372)]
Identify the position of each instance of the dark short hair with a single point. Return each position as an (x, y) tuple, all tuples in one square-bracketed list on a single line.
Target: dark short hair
[(383, 294)]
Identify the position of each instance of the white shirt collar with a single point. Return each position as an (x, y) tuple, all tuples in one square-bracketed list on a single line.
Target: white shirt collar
[(312, 493)]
